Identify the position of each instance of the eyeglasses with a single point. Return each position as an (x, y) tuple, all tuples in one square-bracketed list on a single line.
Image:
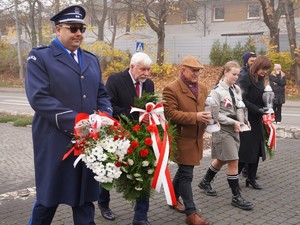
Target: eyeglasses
[(74, 29)]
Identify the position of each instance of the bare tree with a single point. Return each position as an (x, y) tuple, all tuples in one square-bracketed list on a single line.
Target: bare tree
[(96, 7), (291, 30), (155, 12), (20, 61), (271, 19)]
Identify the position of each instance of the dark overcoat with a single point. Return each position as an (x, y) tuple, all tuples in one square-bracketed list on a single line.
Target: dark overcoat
[(121, 89), (278, 82), (252, 142), (58, 89), (181, 108)]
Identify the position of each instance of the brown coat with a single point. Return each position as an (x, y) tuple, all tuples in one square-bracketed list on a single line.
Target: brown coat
[(181, 107)]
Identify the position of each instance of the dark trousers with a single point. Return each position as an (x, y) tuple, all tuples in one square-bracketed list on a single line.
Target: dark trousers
[(277, 112), (252, 169), (104, 197), (42, 215), (141, 207), (182, 183)]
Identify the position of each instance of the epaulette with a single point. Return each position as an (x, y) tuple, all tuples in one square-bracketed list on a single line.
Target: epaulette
[(215, 86), (89, 52), (41, 47)]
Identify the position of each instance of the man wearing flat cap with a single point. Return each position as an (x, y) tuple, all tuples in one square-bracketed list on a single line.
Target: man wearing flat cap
[(184, 101), (61, 81)]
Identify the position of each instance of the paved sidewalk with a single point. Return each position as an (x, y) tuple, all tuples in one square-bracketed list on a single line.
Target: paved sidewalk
[(277, 203)]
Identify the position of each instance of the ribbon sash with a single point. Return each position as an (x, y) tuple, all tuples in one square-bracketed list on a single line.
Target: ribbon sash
[(271, 130), (162, 177)]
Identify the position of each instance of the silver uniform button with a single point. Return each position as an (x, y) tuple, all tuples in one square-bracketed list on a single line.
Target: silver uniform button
[(84, 96), (82, 77)]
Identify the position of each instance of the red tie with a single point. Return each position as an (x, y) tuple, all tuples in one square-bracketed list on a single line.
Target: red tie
[(137, 89)]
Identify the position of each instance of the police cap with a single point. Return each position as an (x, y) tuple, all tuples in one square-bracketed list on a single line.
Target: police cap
[(71, 14)]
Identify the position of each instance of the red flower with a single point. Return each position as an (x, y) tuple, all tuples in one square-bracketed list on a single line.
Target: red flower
[(134, 144), (136, 128), (144, 153), (116, 137), (116, 123), (151, 128), (148, 141), (129, 150), (118, 164)]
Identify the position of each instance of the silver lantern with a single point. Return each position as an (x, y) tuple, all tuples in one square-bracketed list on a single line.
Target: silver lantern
[(212, 107), (268, 97), (242, 115)]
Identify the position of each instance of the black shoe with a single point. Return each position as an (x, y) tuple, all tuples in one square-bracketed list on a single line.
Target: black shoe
[(253, 184), (240, 202), (206, 187), (140, 222), (107, 213)]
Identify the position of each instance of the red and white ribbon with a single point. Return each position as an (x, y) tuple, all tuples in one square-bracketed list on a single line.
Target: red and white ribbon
[(155, 115), (94, 123), (271, 130)]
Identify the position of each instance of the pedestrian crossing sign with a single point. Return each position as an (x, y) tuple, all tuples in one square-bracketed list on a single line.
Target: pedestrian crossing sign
[(139, 47)]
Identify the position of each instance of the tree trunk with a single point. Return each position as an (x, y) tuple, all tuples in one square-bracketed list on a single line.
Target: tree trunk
[(20, 61), (32, 23), (101, 22), (291, 30), (39, 23), (128, 16)]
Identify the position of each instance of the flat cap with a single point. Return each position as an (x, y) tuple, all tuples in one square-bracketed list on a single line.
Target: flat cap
[(71, 14), (191, 61)]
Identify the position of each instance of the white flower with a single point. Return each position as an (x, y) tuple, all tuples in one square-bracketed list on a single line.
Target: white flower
[(129, 176), (139, 179), (130, 162), (145, 163), (137, 175), (150, 171), (138, 188)]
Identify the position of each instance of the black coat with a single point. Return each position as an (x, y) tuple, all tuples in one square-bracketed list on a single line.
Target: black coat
[(278, 82), (252, 142), (121, 89)]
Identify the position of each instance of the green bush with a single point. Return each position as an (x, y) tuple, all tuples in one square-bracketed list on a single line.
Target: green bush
[(112, 60), (8, 58), (17, 120), (220, 54)]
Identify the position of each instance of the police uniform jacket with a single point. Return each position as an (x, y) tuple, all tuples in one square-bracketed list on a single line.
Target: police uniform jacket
[(252, 143), (58, 89), (181, 107)]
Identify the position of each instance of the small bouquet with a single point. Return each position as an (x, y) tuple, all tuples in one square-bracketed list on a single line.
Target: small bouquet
[(101, 143), (145, 164)]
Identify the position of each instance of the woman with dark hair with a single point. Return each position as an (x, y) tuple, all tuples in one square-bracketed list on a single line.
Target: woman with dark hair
[(252, 145)]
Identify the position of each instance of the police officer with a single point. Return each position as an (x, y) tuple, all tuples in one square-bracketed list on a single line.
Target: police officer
[(63, 80), (225, 143)]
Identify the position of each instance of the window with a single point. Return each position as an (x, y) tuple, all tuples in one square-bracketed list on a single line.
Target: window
[(253, 11), (219, 14), (190, 15)]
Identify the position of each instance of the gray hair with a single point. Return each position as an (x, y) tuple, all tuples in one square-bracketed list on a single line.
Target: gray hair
[(141, 57)]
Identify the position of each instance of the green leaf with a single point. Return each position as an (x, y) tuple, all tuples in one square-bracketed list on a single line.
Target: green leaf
[(107, 186)]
